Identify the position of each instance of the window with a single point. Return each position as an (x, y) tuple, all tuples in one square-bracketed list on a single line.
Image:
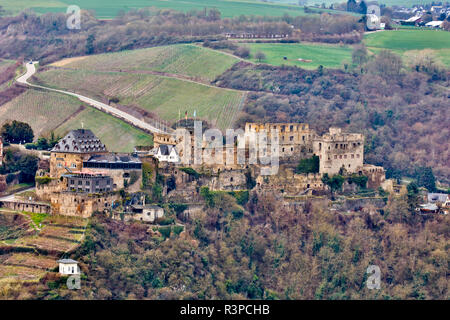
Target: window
[(73, 165), (80, 182), (59, 165), (353, 156), (340, 157), (335, 157), (291, 138), (357, 156)]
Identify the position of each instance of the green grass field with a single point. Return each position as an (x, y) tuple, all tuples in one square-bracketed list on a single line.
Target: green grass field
[(186, 59), (330, 56), (406, 3), (46, 111), (110, 8), (404, 41)]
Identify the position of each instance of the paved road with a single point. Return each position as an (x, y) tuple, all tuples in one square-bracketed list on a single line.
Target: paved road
[(12, 197), (31, 69)]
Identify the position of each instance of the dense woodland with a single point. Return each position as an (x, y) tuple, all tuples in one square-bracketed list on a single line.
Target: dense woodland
[(257, 248), (46, 37), (402, 109), (269, 252)]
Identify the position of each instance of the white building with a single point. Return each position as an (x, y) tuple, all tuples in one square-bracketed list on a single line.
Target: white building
[(167, 153), (68, 266), (434, 24), (147, 213)]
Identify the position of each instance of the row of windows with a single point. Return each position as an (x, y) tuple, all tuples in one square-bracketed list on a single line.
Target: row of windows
[(87, 182), (345, 145), (352, 156), (112, 165)]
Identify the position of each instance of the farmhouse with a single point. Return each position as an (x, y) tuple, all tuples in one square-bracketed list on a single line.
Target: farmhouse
[(68, 266)]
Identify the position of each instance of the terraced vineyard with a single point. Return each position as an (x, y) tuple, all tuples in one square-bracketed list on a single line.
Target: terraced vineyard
[(44, 111), (47, 111), (167, 97), (185, 59), (58, 235)]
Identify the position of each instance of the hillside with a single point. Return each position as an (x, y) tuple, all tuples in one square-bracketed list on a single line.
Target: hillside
[(184, 60), (409, 40), (228, 8), (166, 81), (47, 111), (406, 3), (312, 54)]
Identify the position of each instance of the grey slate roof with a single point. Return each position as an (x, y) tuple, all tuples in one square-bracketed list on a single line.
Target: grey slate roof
[(114, 158), (165, 149), (66, 261), (80, 141)]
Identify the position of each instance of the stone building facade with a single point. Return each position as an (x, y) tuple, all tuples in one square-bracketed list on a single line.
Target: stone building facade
[(338, 150), (124, 169)]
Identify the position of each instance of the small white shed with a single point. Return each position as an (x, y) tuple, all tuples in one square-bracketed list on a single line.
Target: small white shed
[(68, 266)]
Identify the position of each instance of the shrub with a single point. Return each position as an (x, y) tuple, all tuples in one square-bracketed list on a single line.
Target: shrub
[(10, 177), (191, 172), (361, 181), (42, 180), (310, 165), (241, 196), (147, 173), (177, 229), (165, 231), (178, 207)]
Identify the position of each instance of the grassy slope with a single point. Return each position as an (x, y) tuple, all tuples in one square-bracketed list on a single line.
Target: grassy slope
[(330, 56), (165, 96), (117, 135), (100, 77), (109, 9), (189, 60), (46, 111), (403, 41)]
